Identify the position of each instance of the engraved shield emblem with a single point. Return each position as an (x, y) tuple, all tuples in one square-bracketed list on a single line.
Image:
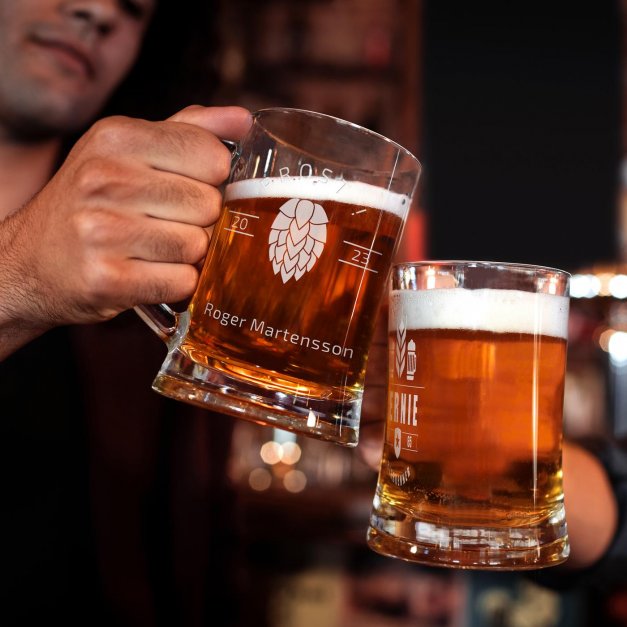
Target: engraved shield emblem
[(297, 238), (397, 442)]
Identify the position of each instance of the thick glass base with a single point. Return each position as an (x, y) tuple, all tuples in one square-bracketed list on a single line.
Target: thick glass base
[(396, 533), (185, 380)]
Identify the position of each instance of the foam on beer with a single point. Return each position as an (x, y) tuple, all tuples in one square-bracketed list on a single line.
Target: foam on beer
[(319, 189), (500, 311)]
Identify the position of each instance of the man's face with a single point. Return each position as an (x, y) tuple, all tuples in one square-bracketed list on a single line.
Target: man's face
[(60, 60)]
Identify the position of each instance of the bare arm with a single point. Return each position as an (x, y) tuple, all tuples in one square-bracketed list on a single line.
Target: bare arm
[(122, 222), (591, 509), (15, 328)]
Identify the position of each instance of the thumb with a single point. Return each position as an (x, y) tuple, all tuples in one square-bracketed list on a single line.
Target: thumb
[(224, 122)]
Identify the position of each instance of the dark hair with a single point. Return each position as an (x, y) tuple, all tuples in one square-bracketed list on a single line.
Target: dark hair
[(176, 66)]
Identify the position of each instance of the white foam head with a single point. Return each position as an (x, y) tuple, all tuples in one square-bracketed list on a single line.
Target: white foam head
[(500, 311), (318, 188)]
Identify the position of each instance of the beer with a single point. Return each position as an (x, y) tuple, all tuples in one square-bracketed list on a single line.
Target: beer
[(474, 417), (279, 327), (298, 321)]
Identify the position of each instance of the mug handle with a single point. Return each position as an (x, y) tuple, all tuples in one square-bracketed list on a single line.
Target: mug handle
[(162, 319)]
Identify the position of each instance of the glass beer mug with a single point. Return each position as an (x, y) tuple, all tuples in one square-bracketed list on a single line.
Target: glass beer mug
[(279, 327), (471, 475)]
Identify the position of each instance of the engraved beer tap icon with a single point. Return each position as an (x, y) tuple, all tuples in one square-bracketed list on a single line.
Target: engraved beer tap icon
[(411, 360)]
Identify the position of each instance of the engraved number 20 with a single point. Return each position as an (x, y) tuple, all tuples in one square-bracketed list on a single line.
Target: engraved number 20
[(240, 223)]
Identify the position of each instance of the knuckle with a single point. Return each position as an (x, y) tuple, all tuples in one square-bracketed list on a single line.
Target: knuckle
[(111, 131), (94, 226), (96, 174), (101, 283)]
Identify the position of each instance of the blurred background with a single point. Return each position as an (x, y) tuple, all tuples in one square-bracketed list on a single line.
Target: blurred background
[(518, 114)]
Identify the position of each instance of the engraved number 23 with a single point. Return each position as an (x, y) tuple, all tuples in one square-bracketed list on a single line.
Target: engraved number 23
[(360, 256)]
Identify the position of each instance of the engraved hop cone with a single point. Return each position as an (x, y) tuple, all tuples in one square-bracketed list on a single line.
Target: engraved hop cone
[(297, 238)]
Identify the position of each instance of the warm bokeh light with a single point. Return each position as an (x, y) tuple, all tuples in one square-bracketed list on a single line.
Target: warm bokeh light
[(618, 286), (291, 453), (260, 479), (617, 347), (295, 481), (271, 452), (584, 286), (601, 284)]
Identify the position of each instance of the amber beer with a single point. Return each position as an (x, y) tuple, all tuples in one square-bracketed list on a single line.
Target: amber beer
[(303, 325), (472, 451), (279, 328)]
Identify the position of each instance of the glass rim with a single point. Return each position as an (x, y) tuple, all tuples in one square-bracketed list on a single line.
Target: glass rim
[(357, 127), (469, 263)]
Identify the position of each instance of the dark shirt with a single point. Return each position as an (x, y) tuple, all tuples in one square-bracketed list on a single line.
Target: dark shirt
[(610, 572), (116, 498), (612, 568)]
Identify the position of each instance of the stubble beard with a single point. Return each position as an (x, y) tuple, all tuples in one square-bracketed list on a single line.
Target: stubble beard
[(31, 112)]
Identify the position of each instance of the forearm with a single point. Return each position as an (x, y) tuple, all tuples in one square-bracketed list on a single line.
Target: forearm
[(13, 336), (591, 508), (16, 326)]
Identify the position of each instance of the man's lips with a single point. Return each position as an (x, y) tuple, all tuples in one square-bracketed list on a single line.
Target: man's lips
[(71, 54)]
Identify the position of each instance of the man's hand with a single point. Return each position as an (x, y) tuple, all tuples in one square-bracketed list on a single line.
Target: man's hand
[(121, 223)]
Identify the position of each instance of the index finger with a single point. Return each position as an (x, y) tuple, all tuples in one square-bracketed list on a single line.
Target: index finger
[(224, 122)]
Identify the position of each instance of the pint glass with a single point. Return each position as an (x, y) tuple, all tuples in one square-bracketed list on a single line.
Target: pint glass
[(279, 327), (471, 475)]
